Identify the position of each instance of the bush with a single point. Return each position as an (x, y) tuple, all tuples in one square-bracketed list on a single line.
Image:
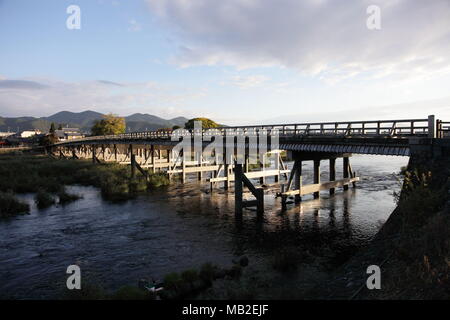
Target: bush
[(190, 275), (114, 189), (43, 199), (235, 272), (207, 272), (138, 185), (417, 199), (11, 206), (65, 198), (172, 281), (206, 123), (88, 291), (156, 180)]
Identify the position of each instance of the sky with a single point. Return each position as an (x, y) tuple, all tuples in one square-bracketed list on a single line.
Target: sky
[(235, 61)]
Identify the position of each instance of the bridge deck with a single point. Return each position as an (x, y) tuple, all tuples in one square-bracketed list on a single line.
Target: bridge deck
[(384, 137)]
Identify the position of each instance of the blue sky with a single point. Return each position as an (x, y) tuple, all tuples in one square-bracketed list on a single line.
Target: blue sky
[(236, 61)]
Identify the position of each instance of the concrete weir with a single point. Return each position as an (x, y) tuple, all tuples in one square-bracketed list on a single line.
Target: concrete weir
[(248, 159)]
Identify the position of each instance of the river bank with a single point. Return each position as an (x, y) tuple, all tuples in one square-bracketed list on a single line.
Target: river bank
[(412, 248)]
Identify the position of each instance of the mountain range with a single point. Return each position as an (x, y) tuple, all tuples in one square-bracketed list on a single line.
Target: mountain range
[(84, 120)]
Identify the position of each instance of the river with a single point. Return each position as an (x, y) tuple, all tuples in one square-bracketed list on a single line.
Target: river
[(183, 226)]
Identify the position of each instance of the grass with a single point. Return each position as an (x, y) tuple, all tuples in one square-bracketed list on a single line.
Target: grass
[(420, 263), (88, 291), (190, 282), (190, 276), (93, 291), (172, 281), (207, 272), (132, 293), (66, 198), (47, 176), (418, 199), (44, 199), (11, 206), (157, 180)]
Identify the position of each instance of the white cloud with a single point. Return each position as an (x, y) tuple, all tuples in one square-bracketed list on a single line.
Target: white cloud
[(246, 82), (134, 26), (325, 38)]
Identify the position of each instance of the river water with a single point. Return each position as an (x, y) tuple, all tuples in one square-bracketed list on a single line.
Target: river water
[(183, 226)]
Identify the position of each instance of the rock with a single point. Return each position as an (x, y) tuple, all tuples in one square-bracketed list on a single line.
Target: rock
[(243, 261)]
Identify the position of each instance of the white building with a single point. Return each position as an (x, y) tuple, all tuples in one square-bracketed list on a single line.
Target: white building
[(6, 134), (28, 133), (68, 134)]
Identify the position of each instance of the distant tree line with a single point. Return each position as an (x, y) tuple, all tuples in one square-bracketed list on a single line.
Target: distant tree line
[(112, 124)]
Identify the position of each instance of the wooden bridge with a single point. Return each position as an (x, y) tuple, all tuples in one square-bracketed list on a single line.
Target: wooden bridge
[(158, 151)]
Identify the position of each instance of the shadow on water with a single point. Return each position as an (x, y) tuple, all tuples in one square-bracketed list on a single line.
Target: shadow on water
[(183, 226)]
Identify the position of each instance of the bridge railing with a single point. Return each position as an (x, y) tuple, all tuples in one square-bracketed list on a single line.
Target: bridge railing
[(375, 128), (442, 129), (392, 128)]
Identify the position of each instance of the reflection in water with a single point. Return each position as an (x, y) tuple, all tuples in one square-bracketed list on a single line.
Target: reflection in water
[(183, 226)]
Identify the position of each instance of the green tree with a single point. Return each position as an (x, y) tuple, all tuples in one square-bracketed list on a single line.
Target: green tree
[(60, 127), (110, 124), (48, 139), (52, 128), (206, 123)]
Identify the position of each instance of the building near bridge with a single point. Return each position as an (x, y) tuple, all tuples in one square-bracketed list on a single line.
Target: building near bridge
[(68, 134), (27, 133), (5, 134)]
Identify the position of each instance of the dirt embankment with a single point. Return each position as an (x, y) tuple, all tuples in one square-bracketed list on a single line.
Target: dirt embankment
[(412, 249)]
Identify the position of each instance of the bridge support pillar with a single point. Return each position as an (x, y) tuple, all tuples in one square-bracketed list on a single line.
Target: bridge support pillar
[(345, 170), (133, 165), (277, 165), (262, 160), (152, 153), (133, 161), (183, 167), (238, 189), (298, 180), (160, 156), (246, 168), (316, 177), (226, 183), (240, 179), (332, 173), (74, 154), (199, 159), (93, 155)]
